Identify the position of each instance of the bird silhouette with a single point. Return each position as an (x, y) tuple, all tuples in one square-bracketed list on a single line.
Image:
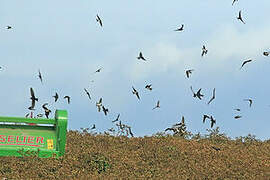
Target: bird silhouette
[(93, 127), (245, 62), (141, 56), (55, 97), (99, 104), (68, 99), (47, 111), (204, 50), (237, 109), (213, 121), (250, 101), (194, 94), (149, 87), (135, 92), (40, 77), (188, 72), (181, 28), (157, 106), (117, 118), (198, 94), (240, 17), (234, 2), (204, 117), (8, 27), (237, 117), (98, 70), (88, 94), (99, 20), (266, 53), (33, 99), (105, 110), (213, 97)]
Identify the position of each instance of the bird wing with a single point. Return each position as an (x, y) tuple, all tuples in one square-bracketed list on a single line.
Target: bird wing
[(32, 92), (213, 97)]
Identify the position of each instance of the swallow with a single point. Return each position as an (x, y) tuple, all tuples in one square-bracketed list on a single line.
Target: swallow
[(234, 2), (198, 94), (33, 98), (204, 50), (213, 97), (39, 76), (98, 70), (116, 118), (88, 94), (68, 99), (40, 115), (93, 127), (250, 101), (149, 87), (55, 97), (8, 27), (194, 94), (99, 20), (99, 104), (237, 117), (105, 110), (183, 120), (181, 28), (247, 61), (130, 132), (216, 148), (213, 121), (47, 111), (157, 106), (240, 17), (44, 106), (27, 115), (141, 56), (266, 53), (237, 109), (135, 92), (188, 72), (204, 117)]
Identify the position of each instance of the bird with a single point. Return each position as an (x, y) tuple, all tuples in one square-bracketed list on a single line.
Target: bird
[(40, 115), (135, 92), (240, 17), (149, 87), (188, 72), (234, 2), (47, 111), (8, 27), (204, 50), (237, 109), (33, 98), (130, 132), (237, 117), (247, 61), (204, 117), (88, 94), (99, 104), (216, 148), (213, 121), (198, 94), (68, 99), (93, 127), (250, 101), (98, 70), (99, 20), (141, 56), (40, 77), (157, 106), (213, 97), (55, 97), (266, 53), (105, 110), (117, 118), (194, 94), (183, 120), (181, 28)]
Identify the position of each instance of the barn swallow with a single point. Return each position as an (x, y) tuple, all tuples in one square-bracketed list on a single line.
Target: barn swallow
[(105, 110), (204, 117), (99, 104), (213, 97), (188, 72), (237, 117), (240, 17), (157, 106), (266, 53), (250, 101), (55, 97), (183, 120), (93, 127), (247, 61), (181, 28), (40, 77), (149, 87), (99, 20), (234, 2), (237, 109), (204, 50), (68, 99), (213, 121), (130, 132), (135, 92), (8, 27), (198, 94), (116, 118), (47, 111), (88, 94), (194, 94), (98, 70), (141, 56), (33, 98)]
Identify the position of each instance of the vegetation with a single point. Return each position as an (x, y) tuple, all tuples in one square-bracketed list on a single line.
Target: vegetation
[(162, 156)]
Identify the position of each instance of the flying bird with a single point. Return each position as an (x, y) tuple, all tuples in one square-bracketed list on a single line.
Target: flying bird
[(68, 99), (157, 106), (250, 101), (40, 77), (198, 94), (135, 92), (130, 132), (141, 56), (8, 27), (247, 61), (99, 20), (117, 118), (266, 53), (99, 104), (181, 28), (55, 97), (237, 109), (33, 98), (105, 110), (88, 94), (194, 94), (204, 50), (98, 70), (213, 121), (213, 97), (204, 117), (47, 111), (240, 17), (234, 2), (149, 87), (93, 127), (237, 117), (188, 72)]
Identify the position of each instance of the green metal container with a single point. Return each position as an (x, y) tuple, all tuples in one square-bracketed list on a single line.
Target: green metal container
[(33, 136)]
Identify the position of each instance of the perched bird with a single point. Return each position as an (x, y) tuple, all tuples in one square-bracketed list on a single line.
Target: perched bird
[(250, 101), (237, 117), (213, 97), (135, 92), (237, 109), (39, 76), (8, 27), (116, 118), (204, 50), (204, 117), (198, 94), (240, 17), (33, 98), (68, 99), (149, 87), (181, 28), (99, 104), (141, 56), (88, 94), (213, 121), (188, 72), (105, 110), (157, 106), (266, 53), (234, 2), (247, 61), (99, 20), (55, 97), (216, 148)]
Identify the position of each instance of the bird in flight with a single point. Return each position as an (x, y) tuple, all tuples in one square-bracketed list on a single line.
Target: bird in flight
[(157, 106), (99, 20), (33, 98), (117, 118), (266, 53), (234, 2), (99, 104), (188, 72), (141, 56), (135, 92), (149, 87), (237, 109), (105, 110), (198, 94), (8, 27), (240, 17), (55, 97), (88, 94), (40, 77), (181, 28), (237, 117), (250, 101), (204, 50), (68, 99), (194, 94), (204, 117), (47, 111), (98, 70), (213, 97), (247, 61), (213, 121)]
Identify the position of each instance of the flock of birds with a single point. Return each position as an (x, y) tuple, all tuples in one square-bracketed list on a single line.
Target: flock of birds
[(101, 107)]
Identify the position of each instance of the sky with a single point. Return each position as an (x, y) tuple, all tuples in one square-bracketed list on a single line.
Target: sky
[(63, 40)]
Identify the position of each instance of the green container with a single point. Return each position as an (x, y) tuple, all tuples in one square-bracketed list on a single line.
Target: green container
[(33, 136)]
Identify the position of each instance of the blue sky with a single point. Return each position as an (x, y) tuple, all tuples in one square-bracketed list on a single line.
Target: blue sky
[(64, 41)]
